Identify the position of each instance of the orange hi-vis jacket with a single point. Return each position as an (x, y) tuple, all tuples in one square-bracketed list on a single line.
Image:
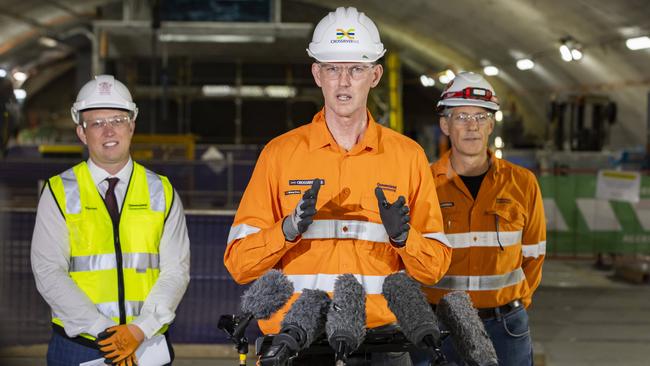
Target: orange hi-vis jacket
[(498, 240), (347, 235)]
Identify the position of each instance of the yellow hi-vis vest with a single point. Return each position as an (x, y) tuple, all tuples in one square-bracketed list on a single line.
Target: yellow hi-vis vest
[(116, 269)]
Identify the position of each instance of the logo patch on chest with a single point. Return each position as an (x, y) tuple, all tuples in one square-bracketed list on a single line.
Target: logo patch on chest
[(387, 187), (504, 200), (138, 206), (304, 182), (446, 204), (293, 191)]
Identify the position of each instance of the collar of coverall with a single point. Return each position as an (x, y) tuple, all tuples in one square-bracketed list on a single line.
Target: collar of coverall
[(320, 136), (445, 168)]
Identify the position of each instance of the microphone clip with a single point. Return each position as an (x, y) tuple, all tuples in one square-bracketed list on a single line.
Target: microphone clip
[(235, 327)]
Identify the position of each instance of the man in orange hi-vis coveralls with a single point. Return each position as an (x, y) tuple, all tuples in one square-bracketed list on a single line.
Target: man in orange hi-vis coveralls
[(494, 220), (341, 194)]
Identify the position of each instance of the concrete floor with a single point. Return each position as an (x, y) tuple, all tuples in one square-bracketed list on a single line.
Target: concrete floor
[(580, 316)]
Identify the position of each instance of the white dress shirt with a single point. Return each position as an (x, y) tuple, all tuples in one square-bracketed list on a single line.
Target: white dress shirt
[(50, 256)]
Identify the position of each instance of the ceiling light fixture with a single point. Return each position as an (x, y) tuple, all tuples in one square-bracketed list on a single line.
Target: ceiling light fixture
[(525, 64), (427, 81), (638, 43), (491, 70)]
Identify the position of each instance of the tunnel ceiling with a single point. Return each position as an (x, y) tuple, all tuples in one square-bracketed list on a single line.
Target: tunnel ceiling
[(430, 36)]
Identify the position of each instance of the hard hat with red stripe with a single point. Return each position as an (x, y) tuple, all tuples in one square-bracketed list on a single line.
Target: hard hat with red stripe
[(468, 89)]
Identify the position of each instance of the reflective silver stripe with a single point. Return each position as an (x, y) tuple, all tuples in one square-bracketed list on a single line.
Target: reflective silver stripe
[(534, 250), (101, 262), (325, 282), (112, 309), (346, 229), (478, 283), (484, 239), (156, 192), (71, 189), (93, 262), (141, 260), (241, 231), (441, 237)]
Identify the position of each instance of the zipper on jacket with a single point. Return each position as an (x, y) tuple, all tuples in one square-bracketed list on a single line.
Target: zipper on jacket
[(120, 273)]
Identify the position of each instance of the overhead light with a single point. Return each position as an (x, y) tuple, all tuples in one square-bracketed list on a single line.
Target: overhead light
[(217, 90), (249, 91), (498, 154), (498, 116), (20, 94), (450, 74), (498, 142), (491, 70), (280, 91), (638, 43), (576, 54), (570, 50), (565, 52), (525, 64), (3, 73), (446, 76), (19, 76), (427, 81), (48, 42), (216, 38)]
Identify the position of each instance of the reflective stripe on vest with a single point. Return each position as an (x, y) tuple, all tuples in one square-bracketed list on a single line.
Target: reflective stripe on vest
[(156, 192), (100, 262), (325, 282), (112, 309), (484, 239), (336, 229), (478, 283), (534, 250), (71, 187)]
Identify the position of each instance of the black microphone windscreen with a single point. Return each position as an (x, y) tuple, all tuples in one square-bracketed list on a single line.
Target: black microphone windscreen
[(346, 319), (267, 295), (411, 308), (308, 313), (470, 338)]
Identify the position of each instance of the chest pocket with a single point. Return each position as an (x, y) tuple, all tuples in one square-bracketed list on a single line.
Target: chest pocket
[(453, 217), (508, 219), (289, 201), (370, 205)]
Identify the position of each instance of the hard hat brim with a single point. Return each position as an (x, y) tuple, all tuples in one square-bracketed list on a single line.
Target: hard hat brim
[(345, 56), (455, 102)]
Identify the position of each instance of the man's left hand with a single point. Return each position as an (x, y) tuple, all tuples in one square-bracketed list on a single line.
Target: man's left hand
[(395, 217), (119, 343)]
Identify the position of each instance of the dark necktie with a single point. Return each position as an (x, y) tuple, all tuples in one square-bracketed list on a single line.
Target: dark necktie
[(111, 201)]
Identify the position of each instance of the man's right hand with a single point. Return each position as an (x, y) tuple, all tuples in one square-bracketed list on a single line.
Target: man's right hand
[(298, 222)]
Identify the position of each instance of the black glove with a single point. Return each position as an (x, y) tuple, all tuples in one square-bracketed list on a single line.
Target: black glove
[(395, 217), (298, 222)]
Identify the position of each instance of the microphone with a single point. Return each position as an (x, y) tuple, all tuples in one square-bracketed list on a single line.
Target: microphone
[(303, 323), (346, 319), (413, 312), (469, 336), (263, 298)]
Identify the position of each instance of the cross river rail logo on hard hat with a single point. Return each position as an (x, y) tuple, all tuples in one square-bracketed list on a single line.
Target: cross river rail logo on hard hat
[(342, 33), (104, 88)]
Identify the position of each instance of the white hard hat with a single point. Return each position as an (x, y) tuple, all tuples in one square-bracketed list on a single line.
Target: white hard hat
[(103, 92), (345, 35), (468, 89)]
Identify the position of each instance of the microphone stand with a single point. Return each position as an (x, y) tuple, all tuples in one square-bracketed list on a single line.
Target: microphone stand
[(235, 327)]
